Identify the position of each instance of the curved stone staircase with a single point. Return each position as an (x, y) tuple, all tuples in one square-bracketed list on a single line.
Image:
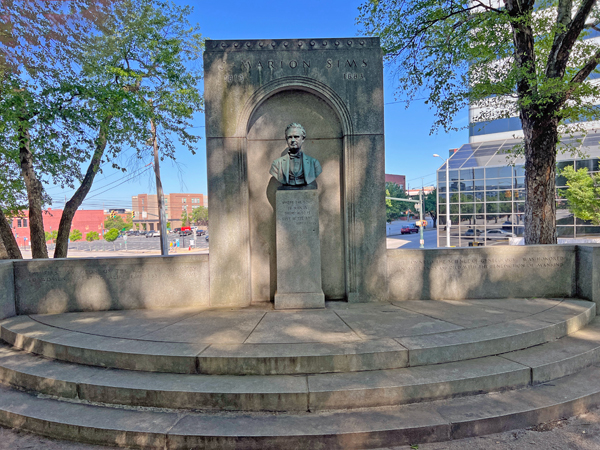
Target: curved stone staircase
[(533, 365)]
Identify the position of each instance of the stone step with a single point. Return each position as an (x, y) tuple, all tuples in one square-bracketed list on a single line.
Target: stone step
[(440, 420), (315, 392), (300, 358)]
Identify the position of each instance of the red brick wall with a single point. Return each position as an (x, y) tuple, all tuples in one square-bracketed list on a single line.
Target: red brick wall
[(84, 221), (400, 180)]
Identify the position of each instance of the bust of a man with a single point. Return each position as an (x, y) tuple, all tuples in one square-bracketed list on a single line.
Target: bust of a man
[(295, 169)]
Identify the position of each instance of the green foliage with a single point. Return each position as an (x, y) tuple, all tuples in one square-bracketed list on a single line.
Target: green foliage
[(88, 89), (200, 215), (430, 205), (116, 222), (394, 209), (461, 53), (92, 236), (168, 225), (75, 235), (111, 235), (184, 219), (148, 53), (50, 235), (583, 194)]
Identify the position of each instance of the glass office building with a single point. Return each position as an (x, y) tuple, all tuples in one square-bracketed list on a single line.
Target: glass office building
[(487, 191)]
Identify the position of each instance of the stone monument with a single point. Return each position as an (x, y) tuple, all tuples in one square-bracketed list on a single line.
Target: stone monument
[(297, 226), (253, 90)]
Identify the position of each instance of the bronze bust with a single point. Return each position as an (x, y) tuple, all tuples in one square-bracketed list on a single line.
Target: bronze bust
[(295, 169)]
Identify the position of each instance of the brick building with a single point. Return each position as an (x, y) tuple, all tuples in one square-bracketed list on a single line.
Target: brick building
[(400, 180), (145, 207), (84, 221)]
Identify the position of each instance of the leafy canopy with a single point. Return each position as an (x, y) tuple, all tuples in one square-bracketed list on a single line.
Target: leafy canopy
[(92, 236), (582, 194), (111, 235), (394, 209), (462, 52), (75, 235)]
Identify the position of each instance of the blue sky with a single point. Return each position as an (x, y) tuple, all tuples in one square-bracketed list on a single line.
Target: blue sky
[(409, 147)]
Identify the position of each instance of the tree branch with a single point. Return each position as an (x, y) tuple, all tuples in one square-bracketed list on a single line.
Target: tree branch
[(565, 40)]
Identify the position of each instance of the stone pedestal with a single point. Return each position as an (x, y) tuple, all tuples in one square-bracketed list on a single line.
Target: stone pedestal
[(298, 250)]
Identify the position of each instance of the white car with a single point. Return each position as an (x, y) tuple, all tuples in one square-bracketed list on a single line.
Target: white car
[(498, 234), (152, 234)]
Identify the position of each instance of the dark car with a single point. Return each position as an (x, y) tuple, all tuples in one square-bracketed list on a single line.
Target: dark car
[(200, 232), (473, 232), (206, 238)]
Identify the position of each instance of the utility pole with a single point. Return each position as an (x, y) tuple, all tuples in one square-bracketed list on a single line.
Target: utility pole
[(164, 244), (422, 240)]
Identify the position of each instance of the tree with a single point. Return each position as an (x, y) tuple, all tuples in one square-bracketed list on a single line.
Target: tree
[(430, 206), (91, 237), (394, 209), (521, 56), (50, 235), (75, 235), (143, 58), (38, 101), (582, 194), (116, 222), (90, 100), (200, 216), (184, 219), (111, 235)]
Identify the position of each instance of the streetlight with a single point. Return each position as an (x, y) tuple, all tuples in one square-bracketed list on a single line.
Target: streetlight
[(448, 222)]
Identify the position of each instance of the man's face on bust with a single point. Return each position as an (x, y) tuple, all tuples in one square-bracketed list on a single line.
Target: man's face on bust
[(294, 139)]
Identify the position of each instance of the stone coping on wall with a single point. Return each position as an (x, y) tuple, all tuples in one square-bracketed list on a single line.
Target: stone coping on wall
[(156, 282)]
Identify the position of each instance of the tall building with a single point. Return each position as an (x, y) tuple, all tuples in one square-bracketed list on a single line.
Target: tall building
[(145, 208), (486, 193), (487, 185)]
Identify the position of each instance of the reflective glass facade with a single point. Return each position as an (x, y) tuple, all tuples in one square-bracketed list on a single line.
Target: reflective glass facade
[(487, 196)]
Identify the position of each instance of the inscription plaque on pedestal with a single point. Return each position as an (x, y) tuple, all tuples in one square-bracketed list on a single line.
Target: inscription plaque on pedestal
[(298, 250)]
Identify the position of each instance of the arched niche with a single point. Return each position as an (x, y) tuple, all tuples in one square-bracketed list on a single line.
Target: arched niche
[(264, 143)]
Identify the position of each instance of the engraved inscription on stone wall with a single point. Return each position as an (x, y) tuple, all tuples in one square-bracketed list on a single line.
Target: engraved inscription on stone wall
[(459, 264), (53, 276), (351, 69), (296, 211)]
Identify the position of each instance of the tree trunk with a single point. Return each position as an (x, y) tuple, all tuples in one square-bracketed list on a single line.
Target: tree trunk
[(9, 249), (71, 207), (540, 181), (34, 193), (433, 215)]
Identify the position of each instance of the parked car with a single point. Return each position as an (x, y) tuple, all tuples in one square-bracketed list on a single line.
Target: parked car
[(153, 234), (177, 230), (408, 229), (185, 231), (200, 232), (206, 237), (498, 234), (473, 232)]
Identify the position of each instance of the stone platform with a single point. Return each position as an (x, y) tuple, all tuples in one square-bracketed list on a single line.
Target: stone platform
[(348, 376)]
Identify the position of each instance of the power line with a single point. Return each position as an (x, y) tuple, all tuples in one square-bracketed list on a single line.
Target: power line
[(106, 190)]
